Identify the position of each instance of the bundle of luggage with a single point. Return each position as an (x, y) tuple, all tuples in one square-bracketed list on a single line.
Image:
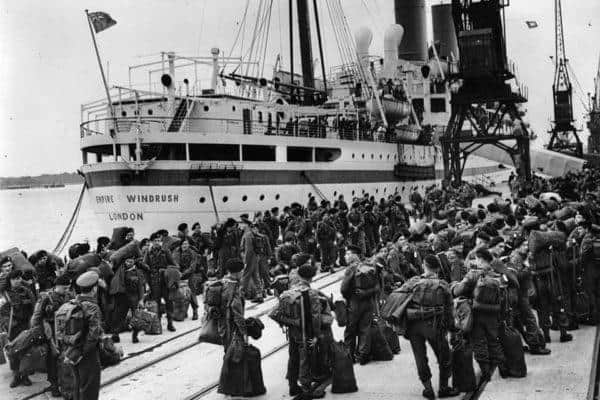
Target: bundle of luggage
[(146, 319)]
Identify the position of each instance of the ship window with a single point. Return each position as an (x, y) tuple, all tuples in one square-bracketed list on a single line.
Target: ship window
[(302, 154), (258, 153), (150, 112), (136, 112), (165, 151), (381, 156), (202, 199), (277, 196), (232, 108), (225, 198), (334, 193), (206, 108), (403, 188), (123, 113), (384, 189), (327, 154), (262, 197), (388, 156), (372, 156), (244, 198), (260, 117), (353, 192), (376, 190), (438, 105), (353, 155), (217, 152)]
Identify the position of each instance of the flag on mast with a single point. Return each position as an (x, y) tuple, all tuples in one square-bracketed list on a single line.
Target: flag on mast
[(101, 21)]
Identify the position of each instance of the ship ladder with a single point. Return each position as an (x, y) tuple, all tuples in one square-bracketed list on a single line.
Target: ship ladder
[(64, 239), (321, 195), (179, 117)]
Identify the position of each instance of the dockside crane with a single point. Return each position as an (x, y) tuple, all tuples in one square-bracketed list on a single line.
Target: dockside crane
[(564, 138)]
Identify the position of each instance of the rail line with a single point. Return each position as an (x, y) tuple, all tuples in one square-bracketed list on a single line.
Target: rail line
[(209, 388), (155, 361)]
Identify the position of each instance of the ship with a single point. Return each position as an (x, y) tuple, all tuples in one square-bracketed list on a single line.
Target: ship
[(593, 148), (178, 152)]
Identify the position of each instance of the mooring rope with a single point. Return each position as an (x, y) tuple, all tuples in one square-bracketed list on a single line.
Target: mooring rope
[(71, 225)]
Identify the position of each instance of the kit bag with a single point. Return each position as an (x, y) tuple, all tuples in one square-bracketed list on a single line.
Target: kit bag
[(365, 277), (181, 301), (343, 378), (463, 314), (341, 312), (489, 292), (514, 358), (379, 347), (391, 337), (463, 373), (288, 309), (34, 359), (66, 378), (209, 331)]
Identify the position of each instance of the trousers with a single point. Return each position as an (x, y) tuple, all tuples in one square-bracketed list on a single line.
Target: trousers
[(421, 332), (487, 349), (87, 376), (356, 334)]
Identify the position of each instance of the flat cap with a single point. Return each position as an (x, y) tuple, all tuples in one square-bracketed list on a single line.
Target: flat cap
[(87, 279)]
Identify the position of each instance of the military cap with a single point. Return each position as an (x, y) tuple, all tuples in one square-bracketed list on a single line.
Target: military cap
[(155, 235), (87, 279), (433, 262), (307, 271), (63, 280), (234, 265), (230, 223), (182, 227), (274, 210), (244, 217)]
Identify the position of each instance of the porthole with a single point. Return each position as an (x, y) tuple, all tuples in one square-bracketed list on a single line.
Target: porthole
[(384, 189), (376, 190), (244, 198), (206, 108), (372, 156), (388, 156), (352, 153), (309, 195), (202, 199), (225, 198), (262, 197), (150, 112), (381, 156), (123, 113), (335, 194), (353, 192), (232, 108), (363, 156), (277, 196)]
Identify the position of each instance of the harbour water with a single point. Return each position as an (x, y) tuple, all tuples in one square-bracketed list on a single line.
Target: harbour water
[(34, 219)]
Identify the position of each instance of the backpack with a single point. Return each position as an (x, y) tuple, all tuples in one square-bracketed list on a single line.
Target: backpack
[(428, 293), (212, 293), (365, 277), (70, 324), (280, 284), (489, 292), (289, 307)]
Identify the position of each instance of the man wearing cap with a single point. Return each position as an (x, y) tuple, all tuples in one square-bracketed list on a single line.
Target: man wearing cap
[(252, 285), (356, 233), (302, 331), (272, 221), (590, 263), (326, 238), (86, 358), (158, 259), (429, 317), (227, 243), (43, 316), (231, 297)]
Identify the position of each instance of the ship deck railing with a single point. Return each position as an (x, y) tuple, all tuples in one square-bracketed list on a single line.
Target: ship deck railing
[(342, 130)]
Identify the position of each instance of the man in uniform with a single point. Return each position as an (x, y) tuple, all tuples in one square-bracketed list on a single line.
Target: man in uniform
[(43, 316), (370, 227), (429, 317), (486, 317), (233, 324), (590, 262), (303, 330), (361, 306), (326, 238), (86, 358), (356, 234), (252, 285), (158, 259)]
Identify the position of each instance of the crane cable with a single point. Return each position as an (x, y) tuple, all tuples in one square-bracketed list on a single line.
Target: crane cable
[(64, 239)]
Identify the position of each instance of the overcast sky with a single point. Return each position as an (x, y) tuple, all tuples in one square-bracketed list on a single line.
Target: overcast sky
[(48, 67)]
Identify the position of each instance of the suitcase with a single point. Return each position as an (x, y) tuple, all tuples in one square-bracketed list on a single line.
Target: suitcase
[(463, 374), (514, 357), (343, 379)]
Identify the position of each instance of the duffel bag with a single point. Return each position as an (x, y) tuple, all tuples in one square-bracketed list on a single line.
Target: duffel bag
[(34, 359), (181, 302), (209, 332), (514, 358), (463, 373), (25, 340), (391, 337), (379, 348), (66, 378), (130, 250), (539, 240), (252, 359), (118, 238), (110, 354), (565, 213), (343, 379)]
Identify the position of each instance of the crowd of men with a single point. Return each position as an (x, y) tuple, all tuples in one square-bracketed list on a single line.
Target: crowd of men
[(432, 268)]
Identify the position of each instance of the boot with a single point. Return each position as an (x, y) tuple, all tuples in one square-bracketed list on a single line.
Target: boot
[(16, 381), (428, 392), (195, 314), (539, 351), (564, 336), (447, 392), (170, 326), (547, 336), (25, 381), (486, 372), (295, 389), (134, 336), (115, 338)]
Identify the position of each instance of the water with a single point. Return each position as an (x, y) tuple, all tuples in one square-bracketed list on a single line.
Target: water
[(33, 219)]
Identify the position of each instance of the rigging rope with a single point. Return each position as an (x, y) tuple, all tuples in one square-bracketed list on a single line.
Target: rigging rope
[(64, 239), (237, 36)]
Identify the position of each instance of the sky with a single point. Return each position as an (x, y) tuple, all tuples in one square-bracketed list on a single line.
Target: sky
[(48, 67)]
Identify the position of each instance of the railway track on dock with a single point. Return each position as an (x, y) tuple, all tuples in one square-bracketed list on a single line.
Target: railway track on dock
[(208, 388)]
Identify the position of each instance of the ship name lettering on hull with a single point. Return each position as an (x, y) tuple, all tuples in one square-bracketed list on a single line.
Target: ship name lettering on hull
[(153, 198), (104, 199), (126, 216)]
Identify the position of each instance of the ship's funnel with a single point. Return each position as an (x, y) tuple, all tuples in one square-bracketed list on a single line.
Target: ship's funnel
[(411, 14), (391, 41), (444, 33), (363, 38)]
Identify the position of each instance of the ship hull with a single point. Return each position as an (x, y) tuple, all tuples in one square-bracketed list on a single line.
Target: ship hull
[(150, 207)]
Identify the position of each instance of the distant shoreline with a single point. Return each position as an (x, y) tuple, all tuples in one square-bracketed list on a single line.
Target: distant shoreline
[(48, 181)]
